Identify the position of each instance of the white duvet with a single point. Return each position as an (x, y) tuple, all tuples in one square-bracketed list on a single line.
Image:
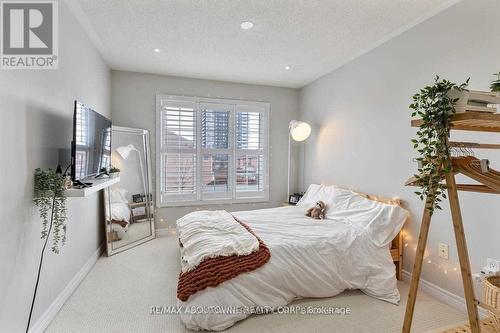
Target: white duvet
[(309, 258)]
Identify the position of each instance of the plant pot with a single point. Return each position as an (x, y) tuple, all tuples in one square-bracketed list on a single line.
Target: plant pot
[(463, 99), (114, 174)]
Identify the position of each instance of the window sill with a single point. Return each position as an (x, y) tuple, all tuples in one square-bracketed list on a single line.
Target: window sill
[(211, 202)]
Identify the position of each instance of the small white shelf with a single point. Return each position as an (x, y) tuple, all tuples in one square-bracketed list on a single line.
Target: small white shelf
[(97, 185)]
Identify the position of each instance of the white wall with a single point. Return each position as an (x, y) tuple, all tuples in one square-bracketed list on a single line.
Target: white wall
[(362, 126), (133, 105), (36, 110)]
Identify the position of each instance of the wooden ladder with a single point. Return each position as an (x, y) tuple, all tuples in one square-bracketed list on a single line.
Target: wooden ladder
[(468, 121)]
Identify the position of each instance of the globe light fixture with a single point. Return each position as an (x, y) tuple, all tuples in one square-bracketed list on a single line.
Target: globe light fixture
[(299, 130)]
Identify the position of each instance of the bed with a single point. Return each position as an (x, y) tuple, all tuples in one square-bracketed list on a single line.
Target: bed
[(309, 258)]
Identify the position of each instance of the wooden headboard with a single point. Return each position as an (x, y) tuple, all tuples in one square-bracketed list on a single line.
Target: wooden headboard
[(392, 201)]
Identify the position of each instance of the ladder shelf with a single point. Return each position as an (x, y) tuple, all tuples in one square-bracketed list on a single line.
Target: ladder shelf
[(488, 183), (471, 121)]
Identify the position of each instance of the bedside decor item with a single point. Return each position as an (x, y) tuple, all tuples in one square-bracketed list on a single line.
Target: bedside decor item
[(49, 197), (435, 106), (294, 198), (114, 172), (298, 131), (136, 198)]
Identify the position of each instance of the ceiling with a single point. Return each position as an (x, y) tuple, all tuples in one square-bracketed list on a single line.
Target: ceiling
[(203, 38)]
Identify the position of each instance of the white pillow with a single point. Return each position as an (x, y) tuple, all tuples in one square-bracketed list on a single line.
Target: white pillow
[(316, 193), (335, 198), (380, 222), (339, 201)]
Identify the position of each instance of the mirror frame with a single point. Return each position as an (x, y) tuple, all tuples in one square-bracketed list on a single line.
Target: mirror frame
[(149, 201)]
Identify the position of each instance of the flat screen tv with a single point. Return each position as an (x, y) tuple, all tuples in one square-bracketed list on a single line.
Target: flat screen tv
[(91, 146)]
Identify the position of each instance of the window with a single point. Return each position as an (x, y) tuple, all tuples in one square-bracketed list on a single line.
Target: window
[(211, 151)]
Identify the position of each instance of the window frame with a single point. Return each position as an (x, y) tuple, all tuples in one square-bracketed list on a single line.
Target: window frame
[(233, 195)]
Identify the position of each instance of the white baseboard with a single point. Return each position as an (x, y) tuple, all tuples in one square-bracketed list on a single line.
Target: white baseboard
[(442, 295), (45, 319)]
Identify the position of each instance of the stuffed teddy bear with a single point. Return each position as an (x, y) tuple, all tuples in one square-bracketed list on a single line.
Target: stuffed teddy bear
[(318, 211)]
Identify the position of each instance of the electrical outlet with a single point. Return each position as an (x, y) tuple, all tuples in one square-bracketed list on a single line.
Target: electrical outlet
[(444, 251), (493, 265)]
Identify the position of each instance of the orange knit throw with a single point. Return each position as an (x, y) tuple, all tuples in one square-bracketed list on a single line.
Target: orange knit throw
[(213, 271)]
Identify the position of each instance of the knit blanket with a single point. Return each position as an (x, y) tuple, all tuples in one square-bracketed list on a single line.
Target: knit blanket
[(232, 252)]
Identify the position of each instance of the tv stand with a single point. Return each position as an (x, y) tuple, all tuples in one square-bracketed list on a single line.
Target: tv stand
[(88, 190)]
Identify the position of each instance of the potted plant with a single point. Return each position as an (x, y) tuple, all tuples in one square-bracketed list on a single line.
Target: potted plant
[(461, 98), (114, 172), (435, 107), (49, 197), (495, 84), (51, 203)]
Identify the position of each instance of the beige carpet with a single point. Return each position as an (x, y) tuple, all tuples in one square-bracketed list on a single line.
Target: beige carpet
[(118, 293)]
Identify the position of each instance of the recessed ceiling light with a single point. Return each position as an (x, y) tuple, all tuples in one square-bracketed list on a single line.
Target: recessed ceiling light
[(247, 25), (156, 50), (287, 68)]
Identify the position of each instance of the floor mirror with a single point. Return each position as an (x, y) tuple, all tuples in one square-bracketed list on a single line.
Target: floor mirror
[(128, 204)]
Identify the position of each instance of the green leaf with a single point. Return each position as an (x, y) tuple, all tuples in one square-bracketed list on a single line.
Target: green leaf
[(50, 199), (435, 108)]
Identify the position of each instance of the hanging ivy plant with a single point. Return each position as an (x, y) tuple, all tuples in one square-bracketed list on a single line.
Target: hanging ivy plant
[(435, 107), (51, 203)]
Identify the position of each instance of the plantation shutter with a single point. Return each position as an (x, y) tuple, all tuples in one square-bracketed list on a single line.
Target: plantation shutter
[(211, 151), (250, 151), (178, 151), (216, 151)]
